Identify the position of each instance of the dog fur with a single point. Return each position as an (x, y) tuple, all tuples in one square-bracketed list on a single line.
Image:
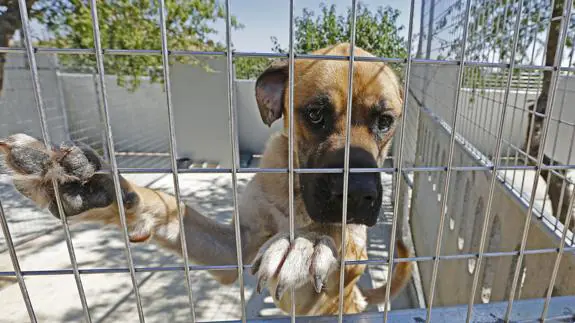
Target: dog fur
[(311, 263)]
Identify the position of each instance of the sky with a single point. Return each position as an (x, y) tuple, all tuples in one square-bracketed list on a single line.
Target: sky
[(266, 18), (263, 19)]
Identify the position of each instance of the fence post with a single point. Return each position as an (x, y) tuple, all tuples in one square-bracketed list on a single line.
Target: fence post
[(55, 66), (428, 49), (105, 155), (430, 28), (421, 30)]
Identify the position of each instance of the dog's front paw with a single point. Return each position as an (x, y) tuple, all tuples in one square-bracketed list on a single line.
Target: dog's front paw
[(73, 166), (309, 259)]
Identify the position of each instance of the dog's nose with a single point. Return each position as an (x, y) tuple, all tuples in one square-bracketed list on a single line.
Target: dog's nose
[(362, 188)]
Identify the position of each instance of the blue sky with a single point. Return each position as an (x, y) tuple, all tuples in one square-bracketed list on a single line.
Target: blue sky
[(263, 19), (266, 18)]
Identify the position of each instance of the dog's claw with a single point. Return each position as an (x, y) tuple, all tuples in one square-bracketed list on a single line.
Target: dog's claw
[(261, 280), (256, 266), (318, 283), (309, 259), (280, 291)]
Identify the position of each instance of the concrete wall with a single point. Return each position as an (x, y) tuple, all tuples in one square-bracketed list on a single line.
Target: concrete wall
[(562, 121), (18, 110), (467, 200), (139, 119), (464, 222), (140, 122), (479, 111)]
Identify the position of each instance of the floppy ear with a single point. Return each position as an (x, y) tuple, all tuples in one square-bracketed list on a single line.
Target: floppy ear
[(270, 88)]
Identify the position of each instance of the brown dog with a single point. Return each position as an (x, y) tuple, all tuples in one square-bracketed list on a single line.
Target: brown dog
[(311, 263)]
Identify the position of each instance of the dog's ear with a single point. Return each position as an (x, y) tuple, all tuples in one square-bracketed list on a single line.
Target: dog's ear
[(270, 88)]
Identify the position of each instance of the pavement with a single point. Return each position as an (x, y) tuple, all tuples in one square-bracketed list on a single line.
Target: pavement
[(40, 245)]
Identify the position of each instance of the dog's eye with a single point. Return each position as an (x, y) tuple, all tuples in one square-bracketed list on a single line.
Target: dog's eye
[(385, 122), (315, 116)]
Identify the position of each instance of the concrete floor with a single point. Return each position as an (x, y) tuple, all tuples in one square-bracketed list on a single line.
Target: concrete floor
[(41, 246)]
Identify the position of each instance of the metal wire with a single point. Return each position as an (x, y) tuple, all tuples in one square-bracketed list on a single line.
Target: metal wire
[(549, 108), (47, 142), (16, 266), (449, 165), (381, 261), (111, 150), (154, 170), (173, 153), (291, 136), (234, 142), (496, 159), (346, 159), (480, 124), (398, 172), (558, 259), (177, 53)]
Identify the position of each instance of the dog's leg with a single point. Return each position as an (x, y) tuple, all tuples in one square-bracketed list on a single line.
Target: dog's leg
[(87, 195), (400, 277)]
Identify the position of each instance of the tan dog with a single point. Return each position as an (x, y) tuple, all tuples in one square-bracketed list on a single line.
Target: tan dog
[(311, 263)]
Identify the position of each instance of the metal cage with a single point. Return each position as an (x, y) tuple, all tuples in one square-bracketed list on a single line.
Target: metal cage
[(465, 112)]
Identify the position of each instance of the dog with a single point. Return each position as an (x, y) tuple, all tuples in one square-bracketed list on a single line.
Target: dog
[(311, 263)]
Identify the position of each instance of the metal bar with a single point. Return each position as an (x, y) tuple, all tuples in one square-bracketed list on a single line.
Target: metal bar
[(487, 216), (558, 259), (234, 142), (16, 265), (548, 111), (532, 122), (421, 30), (379, 261), (173, 153), (431, 13), (346, 157), (399, 167), (449, 163), (291, 136), (113, 162), (333, 170), (147, 52), (46, 136)]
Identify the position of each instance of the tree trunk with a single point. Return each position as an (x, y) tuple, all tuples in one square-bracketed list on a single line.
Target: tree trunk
[(5, 38), (554, 183)]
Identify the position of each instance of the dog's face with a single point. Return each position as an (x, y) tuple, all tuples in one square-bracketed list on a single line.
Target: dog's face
[(320, 121)]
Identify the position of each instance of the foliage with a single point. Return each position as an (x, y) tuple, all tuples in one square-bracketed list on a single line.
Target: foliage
[(249, 68), (492, 29), (376, 31), (132, 24), (492, 32)]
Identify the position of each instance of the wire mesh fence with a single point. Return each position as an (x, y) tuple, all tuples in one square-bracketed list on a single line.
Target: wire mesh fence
[(478, 181)]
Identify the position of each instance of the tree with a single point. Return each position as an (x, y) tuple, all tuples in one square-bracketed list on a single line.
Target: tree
[(490, 37), (249, 68), (9, 23), (376, 31), (124, 24)]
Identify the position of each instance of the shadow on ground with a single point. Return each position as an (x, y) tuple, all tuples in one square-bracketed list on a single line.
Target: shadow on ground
[(110, 296)]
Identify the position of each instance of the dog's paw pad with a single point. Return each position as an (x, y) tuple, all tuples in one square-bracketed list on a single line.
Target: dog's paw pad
[(25, 155)]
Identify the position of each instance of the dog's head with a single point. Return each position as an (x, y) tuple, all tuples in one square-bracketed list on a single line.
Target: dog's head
[(320, 120)]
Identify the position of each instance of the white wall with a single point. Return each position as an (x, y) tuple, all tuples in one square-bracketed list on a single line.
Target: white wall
[(18, 109), (140, 123), (139, 119)]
